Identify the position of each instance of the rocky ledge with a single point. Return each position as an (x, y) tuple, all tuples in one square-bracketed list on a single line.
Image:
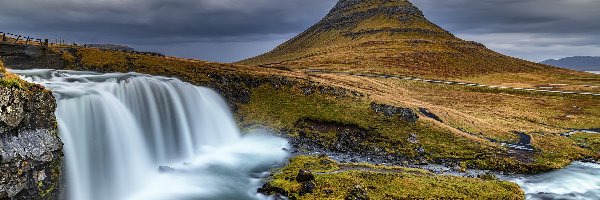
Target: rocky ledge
[(30, 149)]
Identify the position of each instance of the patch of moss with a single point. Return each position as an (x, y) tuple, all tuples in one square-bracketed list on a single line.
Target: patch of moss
[(50, 186), (399, 183), (587, 140)]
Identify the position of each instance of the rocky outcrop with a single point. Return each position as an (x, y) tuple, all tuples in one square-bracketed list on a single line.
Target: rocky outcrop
[(30, 149), (405, 114), (237, 89), (29, 56), (429, 114)]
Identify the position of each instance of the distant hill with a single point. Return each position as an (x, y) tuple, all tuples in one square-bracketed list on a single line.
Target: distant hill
[(111, 46), (581, 63), (390, 36)]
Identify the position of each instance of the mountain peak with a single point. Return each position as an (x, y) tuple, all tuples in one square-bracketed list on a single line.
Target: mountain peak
[(387, 36), (364, 8), (362, 17)]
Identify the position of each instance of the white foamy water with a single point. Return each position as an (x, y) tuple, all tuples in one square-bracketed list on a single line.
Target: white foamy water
[(595, 72), (120, 129), (578, 181)]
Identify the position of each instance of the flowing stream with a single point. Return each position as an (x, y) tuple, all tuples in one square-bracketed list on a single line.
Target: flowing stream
[(578, 181), (139, 137), (134, 136)]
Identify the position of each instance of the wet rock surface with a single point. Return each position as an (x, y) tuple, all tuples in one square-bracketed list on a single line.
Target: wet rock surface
[(30, 150), (343, 142)]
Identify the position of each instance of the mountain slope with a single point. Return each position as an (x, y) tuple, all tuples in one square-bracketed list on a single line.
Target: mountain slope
[(390, 36), (583, 63)]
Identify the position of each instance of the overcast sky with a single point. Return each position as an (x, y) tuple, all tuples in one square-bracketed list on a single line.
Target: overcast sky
[(230, 30)]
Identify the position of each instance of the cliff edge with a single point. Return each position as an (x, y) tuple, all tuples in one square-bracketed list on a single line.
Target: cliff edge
[(30, 149)]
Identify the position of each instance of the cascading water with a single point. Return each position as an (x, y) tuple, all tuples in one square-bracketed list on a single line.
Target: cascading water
[(578, 181), (133, 136)]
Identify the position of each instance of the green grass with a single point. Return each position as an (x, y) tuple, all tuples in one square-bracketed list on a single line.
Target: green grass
[(386, 182), (587, 140), (284, 108)]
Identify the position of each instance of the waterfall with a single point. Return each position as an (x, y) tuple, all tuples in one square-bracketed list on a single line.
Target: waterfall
[(134, 136)]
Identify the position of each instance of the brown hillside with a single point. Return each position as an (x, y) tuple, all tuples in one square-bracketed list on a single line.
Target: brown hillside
[(392, 36)]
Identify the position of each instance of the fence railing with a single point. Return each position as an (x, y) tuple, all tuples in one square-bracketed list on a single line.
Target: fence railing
[(27, 40), (11, 38)]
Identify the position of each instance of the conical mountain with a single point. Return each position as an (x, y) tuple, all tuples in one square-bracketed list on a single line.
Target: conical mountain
[(389, 36)]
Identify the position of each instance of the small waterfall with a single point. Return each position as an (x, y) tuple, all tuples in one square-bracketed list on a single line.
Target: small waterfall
[(133, 136)]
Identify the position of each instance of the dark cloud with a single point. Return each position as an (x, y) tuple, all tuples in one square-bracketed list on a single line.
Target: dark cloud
[(229, 30), (164, 25), (159, 18), (531, 29)]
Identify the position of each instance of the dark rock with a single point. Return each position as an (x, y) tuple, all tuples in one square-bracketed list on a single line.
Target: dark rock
[(307, 90), (305, 175), (487, 176), (30, 149), (420, 150), (268, 189), (357, 193), (328, 192), (405, 114), (427, 113), (165, 169), (412, 138), (28, 57), (524, 139), (307, 187)]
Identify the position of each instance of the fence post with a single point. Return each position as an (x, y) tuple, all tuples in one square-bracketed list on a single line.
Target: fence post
[(3, 37), (46, 42), (17, 40), (27, 41)]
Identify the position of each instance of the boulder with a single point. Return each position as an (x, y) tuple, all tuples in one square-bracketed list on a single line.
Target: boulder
[(305, 175), (405, 114)]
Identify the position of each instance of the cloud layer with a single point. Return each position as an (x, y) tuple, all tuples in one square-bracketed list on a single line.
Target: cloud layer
[(181, 27), (229, 30), (532, 29)]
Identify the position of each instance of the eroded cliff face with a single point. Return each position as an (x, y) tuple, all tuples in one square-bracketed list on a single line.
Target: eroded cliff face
[(30, 149)]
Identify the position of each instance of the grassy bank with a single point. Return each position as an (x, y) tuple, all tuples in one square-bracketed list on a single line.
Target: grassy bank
[(340, 181)]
